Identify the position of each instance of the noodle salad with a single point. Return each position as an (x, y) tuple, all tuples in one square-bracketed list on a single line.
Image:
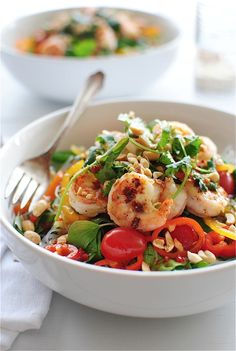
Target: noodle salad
[(155, 197)]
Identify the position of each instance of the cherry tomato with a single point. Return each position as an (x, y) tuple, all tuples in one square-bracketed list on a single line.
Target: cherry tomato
[(186, 235), (70, 251), (123, 244), (227, 182)]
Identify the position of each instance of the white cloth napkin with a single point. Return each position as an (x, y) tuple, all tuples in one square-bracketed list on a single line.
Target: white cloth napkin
[(24, 300)]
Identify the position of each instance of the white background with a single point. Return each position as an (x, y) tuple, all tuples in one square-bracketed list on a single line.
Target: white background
[(70, 326)]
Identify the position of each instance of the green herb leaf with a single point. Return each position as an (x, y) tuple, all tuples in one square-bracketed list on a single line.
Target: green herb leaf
[(107, 140), (62, 156), (193, 147), (107, 187), (178, 148), (106, 161), (83, 48), (87, 235), (166, 158), (150, 255), (170, 265), (199, 181), (200, 264), (165, 138), (184, 163)]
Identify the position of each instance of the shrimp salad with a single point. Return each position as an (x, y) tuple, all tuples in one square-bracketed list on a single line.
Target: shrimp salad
[(155, 197), (92, 32)]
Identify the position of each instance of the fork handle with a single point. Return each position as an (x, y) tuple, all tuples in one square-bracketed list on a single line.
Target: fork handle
[(92, 86)]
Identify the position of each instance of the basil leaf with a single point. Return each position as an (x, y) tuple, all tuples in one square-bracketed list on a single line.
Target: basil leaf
[(86, 234), (150, 255)]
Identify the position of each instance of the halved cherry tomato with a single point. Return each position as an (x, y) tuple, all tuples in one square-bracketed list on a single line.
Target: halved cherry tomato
[(189, 233), (227, 182), (218, 245), (70, 251), (123, 244)]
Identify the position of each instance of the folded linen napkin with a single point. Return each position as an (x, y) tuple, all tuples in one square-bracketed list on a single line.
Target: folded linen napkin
[(24, 300)]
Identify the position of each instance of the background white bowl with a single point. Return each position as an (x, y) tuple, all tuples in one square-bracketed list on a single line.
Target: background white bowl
[(60, 78), (142, 294)]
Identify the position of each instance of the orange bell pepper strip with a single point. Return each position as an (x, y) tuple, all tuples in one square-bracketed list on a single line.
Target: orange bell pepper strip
[(181, 221), (50, 192)]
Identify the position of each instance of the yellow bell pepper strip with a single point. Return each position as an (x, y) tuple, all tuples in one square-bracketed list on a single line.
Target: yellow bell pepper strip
[(68, 214), (220, 228), (227, 167)]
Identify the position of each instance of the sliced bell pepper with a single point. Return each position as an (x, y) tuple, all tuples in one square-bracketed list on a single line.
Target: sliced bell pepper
[(220, 228), (183, 222), (218, 245), (50, 192), (227, 167)]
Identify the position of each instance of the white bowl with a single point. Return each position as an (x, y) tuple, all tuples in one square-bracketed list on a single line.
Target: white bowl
[(60, 78), (142, 294)]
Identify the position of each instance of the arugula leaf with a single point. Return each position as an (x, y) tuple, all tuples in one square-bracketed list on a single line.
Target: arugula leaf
[(107, 140), (93, 152), (150, 255), (107, 159), (192, 148), (18, 224), (87, 235)]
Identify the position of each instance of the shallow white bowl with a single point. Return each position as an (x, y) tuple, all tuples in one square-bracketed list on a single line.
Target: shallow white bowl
[(60, 78), (142, 294)]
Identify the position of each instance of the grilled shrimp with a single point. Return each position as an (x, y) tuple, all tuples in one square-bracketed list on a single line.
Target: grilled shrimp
[(208, 149), (181, 128), (207, 203), (86, 197), (138, 201), (55, 45), (129, 27), (106, 38), (179, 202)]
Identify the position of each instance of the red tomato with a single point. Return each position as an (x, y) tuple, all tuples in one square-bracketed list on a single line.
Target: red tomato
[(123, 244), (70, 251), (186, 235), (227, 182)]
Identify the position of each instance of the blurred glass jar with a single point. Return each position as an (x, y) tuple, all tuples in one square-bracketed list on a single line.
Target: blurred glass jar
[(216, 42)]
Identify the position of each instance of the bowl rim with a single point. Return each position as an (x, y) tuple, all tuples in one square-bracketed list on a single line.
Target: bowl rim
[(40, 250), (149, 50)]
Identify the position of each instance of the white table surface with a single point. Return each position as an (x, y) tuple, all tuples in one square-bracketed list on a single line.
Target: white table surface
[(68, 325)]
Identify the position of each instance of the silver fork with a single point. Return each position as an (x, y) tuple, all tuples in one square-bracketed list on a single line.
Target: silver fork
[(30, 179)]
